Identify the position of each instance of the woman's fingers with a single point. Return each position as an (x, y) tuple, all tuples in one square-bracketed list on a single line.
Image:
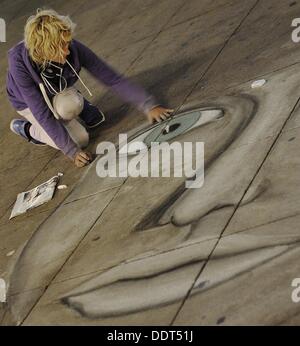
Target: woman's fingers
[(82, 160), (166, 114), (78, 163), (90, 156), (84, 156), (169, 110), (159, 114)]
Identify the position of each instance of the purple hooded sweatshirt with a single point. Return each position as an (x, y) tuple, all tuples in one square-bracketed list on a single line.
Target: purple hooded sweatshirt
[(23, 90)]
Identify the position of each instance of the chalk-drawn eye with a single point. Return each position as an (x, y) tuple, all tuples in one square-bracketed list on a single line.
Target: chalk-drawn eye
[(183, 123), (172, 128)]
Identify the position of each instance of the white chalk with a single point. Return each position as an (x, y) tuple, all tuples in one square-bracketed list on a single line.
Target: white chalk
[(61, 187), (258, 83), (10, 253)]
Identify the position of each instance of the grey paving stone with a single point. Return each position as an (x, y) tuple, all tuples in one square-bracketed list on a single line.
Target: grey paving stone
[(126, 291), (151, 203), (215, 182), (178, 57), (294, 121), (117, 236), (54, 241), (152, 226), (274, 194), (141, 20), (248, 281), (16, 308), (14, 236), (270, 111), (262, 45), (91, 184), (195, 8)]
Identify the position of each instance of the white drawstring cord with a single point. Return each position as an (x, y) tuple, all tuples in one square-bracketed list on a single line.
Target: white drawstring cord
[(50, 88), (53, 91), (88, 90), (46, 98), (48, 85)]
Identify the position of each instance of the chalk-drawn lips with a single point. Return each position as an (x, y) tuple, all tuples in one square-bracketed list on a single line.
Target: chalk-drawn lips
[(159, 280)]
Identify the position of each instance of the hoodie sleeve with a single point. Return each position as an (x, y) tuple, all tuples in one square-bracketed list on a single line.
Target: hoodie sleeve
[(126, 90), (38, 107)]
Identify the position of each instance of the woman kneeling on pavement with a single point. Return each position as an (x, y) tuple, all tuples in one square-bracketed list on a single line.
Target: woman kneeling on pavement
[(43, 69)]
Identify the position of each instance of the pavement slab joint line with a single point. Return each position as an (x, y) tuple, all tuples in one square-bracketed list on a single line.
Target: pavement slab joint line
[(31, 181), (60, 269), (205, 72), (256, 77), (62, 203), (292, 128), (283, 322), (249, 229), (148, 44), (90, 195), (200, 15), (127, 70), (195, 86), (126, 261), (235, 209), (217, 55), (72, 252), (139, 55)]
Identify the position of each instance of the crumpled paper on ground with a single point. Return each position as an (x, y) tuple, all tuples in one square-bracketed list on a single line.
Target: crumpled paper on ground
[(35, 197)]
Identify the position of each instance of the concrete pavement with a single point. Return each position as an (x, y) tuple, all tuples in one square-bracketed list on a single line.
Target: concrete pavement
[(147, 251)]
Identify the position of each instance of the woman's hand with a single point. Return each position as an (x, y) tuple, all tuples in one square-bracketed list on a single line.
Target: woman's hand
[(83, 158), (158, 114)]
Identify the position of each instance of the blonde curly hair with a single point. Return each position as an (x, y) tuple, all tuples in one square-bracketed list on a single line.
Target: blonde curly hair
[(46, 34)]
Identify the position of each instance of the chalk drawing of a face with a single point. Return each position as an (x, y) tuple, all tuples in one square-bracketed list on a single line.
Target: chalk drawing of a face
[(156, 280), (155, 275)]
